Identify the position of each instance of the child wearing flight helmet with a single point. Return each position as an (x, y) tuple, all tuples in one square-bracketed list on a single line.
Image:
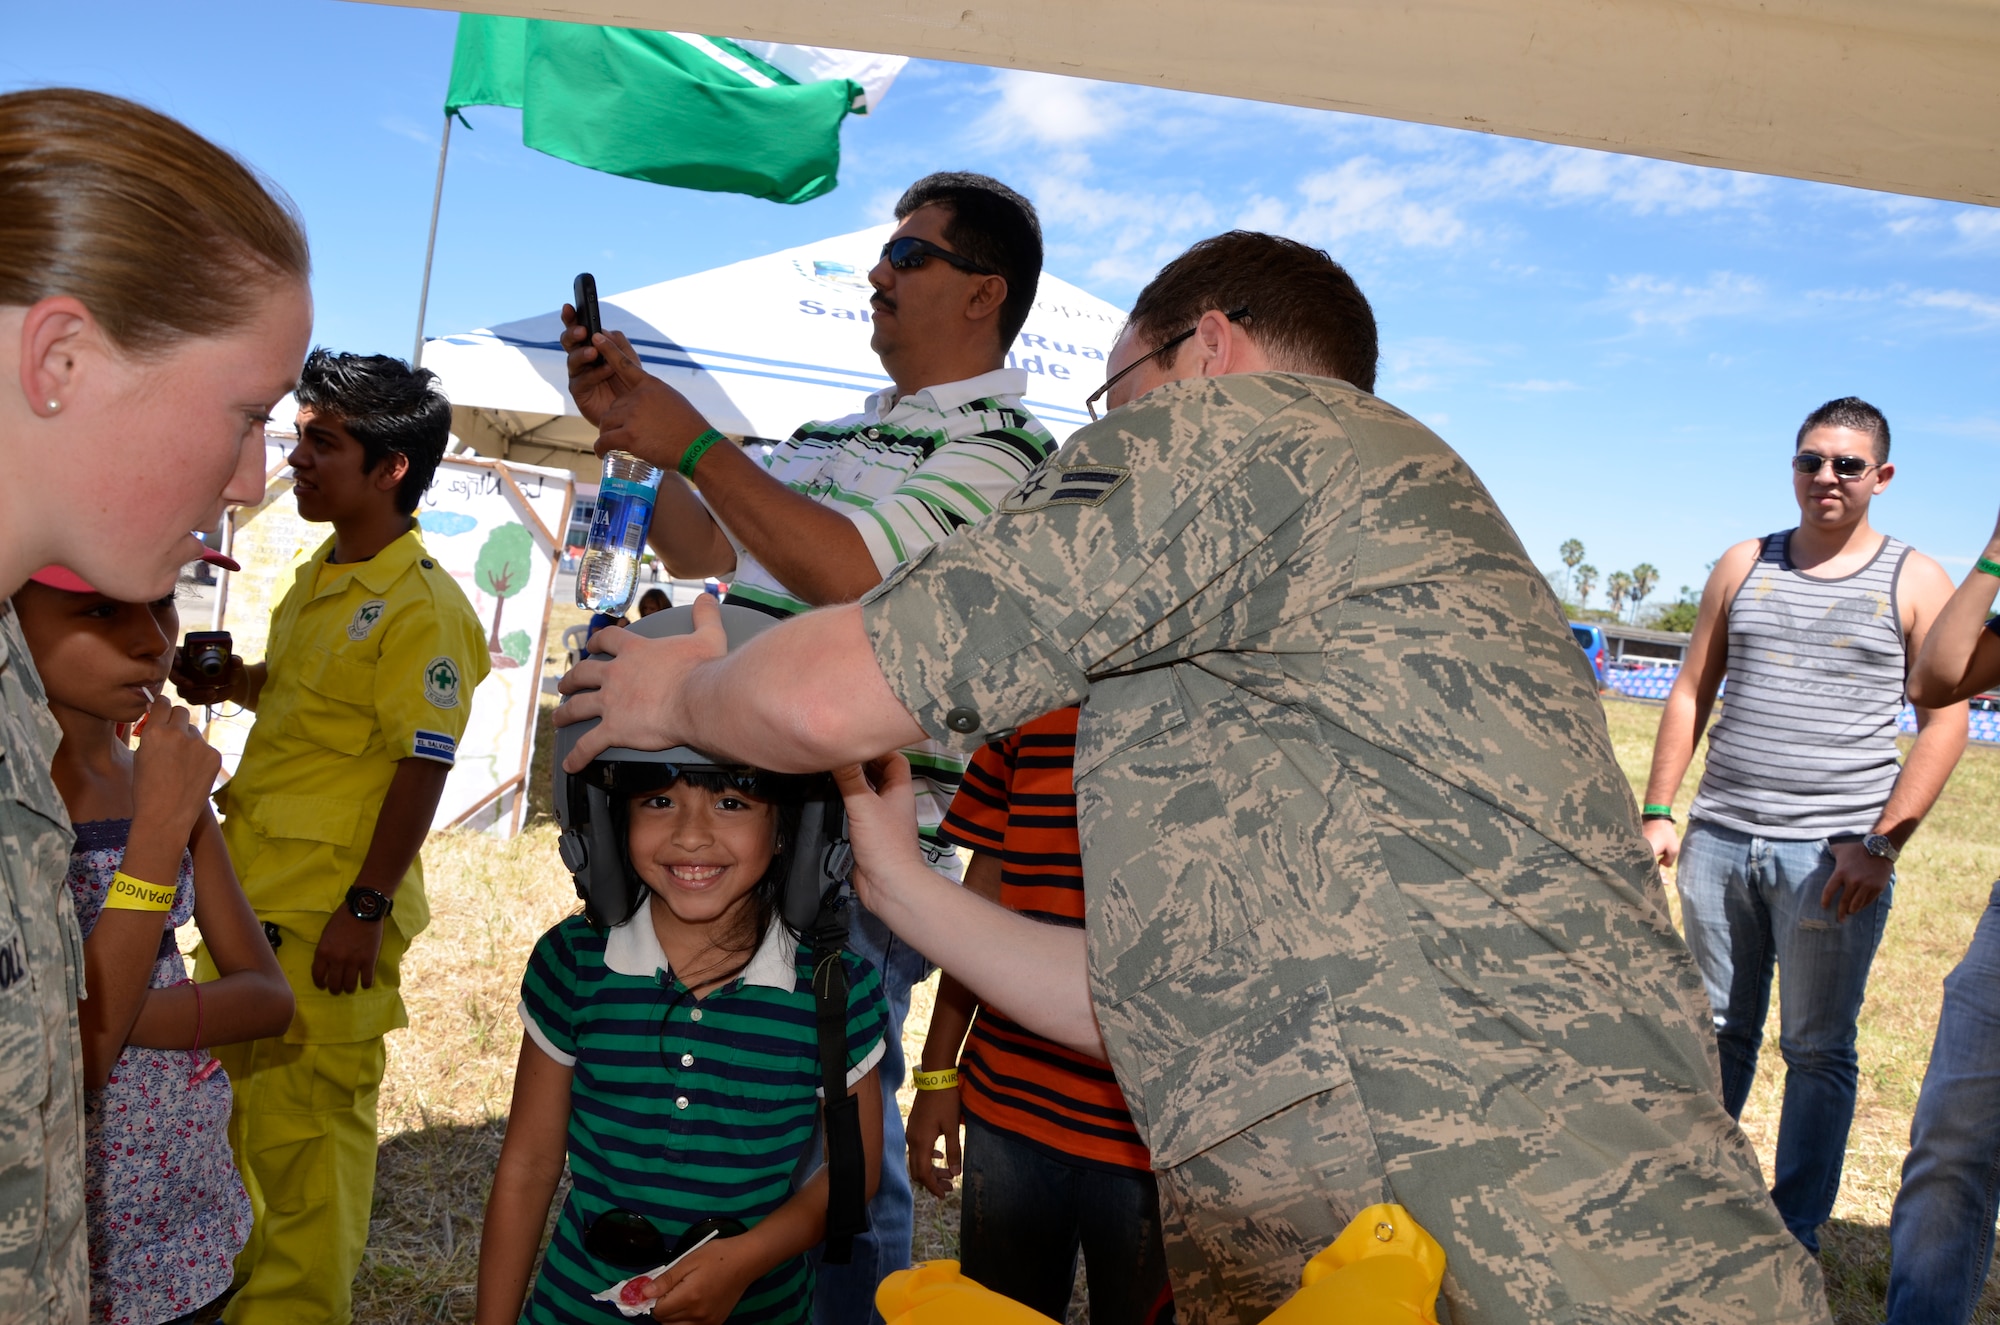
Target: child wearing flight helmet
[(672, 1055)]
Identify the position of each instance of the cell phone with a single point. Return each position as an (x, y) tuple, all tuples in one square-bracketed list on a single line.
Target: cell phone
[(585, 300), (206, 653)]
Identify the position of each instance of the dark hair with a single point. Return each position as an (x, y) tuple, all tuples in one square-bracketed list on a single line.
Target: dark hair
[(384, 406), (993, 226), (161, 234), (655, 600), (1849, 412), (1306, 312), (768, 895)]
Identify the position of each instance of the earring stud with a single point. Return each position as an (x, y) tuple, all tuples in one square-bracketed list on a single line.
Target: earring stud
[(54, 405)]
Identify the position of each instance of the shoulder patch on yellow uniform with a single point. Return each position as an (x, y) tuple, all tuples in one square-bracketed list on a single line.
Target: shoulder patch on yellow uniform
[(365, 617), (1064, 485), (441, 682)]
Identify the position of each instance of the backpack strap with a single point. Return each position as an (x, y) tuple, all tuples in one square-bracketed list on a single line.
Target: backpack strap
[(846, 1160)]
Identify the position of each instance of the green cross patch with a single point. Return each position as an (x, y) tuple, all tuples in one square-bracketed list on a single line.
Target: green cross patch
[(441, 682)]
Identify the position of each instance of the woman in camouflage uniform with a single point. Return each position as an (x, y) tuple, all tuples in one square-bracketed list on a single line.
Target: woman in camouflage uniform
[(153, 310)]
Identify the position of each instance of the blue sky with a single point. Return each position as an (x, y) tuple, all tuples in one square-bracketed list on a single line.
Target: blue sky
[(1622, 348)]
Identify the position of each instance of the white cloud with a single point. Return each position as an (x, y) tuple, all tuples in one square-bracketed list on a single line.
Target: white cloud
[(1130, 235), (1978, 225), (1362, 196), (1984, 308), (1640, 186), (1537, 384), (1426, 363), (1047, 109), (1654, 301), (404, 128)]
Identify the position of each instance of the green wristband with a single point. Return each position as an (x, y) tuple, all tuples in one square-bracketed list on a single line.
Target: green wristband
[(1667, 810), (696, 450), (1985, 567)]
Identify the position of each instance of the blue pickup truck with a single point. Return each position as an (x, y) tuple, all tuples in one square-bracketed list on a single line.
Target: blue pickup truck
[(1591, 639)]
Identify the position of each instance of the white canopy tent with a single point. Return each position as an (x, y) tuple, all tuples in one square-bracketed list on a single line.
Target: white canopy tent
[(759, 346), (1901, 96)]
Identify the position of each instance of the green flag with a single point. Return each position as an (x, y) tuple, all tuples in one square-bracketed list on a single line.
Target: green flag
[(671, 108)]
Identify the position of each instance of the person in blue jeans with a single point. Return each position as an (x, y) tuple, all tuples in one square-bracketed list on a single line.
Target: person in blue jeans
[(1941, 1230), (1789, 860)]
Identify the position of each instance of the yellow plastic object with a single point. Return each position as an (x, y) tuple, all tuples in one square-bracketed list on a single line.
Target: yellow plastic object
[(1383, 1269), (935, 1293)]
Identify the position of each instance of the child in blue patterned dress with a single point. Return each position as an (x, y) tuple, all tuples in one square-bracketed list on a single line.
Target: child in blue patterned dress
[(167, 1211)]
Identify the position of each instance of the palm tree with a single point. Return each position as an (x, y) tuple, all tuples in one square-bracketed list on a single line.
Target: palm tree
[(1586, 580), (1571, 553), (1617, 589), (1644, 576)]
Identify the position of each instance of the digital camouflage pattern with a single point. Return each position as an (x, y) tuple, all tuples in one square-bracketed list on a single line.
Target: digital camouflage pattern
[(44, 1250), (1369, 914)]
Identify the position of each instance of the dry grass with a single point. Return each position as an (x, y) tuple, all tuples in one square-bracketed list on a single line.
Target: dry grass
[(445, 1100), (1941, 889)]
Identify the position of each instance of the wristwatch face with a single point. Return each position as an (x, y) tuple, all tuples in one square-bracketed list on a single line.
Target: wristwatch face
[(366, 904), (1875, 844)]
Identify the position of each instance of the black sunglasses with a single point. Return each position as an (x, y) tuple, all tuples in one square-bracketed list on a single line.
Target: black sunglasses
[(910, 253), (1844, 466), (630, 1241), (1090, 401)]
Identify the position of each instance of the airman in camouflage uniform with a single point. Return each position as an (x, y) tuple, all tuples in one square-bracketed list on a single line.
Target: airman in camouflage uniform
[(1369, 913), (44, 1253)]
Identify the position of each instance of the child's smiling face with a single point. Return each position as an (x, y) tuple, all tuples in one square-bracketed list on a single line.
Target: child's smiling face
[(701, 851), (97, 655)]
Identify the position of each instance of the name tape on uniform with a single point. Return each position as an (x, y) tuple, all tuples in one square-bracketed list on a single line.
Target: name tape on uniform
[(436, 745), (1064, 485)]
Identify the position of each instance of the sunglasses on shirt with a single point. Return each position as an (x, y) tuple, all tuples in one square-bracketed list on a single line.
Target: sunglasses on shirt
[(910, 253), (630, 1241), (1844, 466)]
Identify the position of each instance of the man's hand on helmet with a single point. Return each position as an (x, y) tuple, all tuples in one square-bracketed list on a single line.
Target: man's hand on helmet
[(636, 687)]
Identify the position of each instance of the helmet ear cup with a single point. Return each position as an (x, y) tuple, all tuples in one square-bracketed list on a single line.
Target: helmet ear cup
[(822, 824), (605, 882)]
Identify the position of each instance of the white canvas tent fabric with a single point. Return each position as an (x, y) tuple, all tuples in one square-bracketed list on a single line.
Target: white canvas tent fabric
[(759, 346), (1901, 96)]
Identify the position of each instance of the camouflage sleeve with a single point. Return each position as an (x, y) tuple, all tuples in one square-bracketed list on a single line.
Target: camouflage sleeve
[(1122, 552)]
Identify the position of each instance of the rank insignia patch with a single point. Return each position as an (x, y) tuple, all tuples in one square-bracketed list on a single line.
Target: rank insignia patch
[(1064, 485)]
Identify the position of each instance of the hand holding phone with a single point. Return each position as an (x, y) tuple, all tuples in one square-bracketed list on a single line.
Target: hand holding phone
[(593, 382)]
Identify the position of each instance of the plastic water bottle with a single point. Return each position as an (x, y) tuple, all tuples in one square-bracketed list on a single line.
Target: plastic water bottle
[(609, 571)]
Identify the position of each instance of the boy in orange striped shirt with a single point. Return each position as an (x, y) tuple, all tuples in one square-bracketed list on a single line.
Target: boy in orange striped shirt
[(1052, 1162)]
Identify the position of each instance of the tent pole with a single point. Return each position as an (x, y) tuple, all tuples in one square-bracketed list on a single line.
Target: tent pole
[(430, 246)]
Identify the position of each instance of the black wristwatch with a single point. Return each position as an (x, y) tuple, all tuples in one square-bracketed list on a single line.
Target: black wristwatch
[(1880, 847), (367, 904)]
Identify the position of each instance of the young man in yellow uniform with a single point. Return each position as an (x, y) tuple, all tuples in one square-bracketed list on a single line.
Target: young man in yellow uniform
[(364, 692)]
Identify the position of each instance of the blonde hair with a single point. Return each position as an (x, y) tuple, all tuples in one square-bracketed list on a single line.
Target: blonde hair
[(161, 234)]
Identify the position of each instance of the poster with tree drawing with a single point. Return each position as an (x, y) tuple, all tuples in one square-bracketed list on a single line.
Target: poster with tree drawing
[(492, 525)]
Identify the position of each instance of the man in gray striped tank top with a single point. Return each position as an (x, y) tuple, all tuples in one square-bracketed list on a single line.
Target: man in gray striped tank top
[(1789, 858)]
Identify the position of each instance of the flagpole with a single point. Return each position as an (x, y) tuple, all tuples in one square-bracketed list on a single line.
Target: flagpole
[(430, 246)]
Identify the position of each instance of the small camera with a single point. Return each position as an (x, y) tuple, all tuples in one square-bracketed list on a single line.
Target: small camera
[(206, 653)]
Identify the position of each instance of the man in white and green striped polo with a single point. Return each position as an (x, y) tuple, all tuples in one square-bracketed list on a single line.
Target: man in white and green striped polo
[(840, 503)]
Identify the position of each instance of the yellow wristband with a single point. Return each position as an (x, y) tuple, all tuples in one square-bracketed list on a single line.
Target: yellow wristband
[(944, 1079), (129, 894)]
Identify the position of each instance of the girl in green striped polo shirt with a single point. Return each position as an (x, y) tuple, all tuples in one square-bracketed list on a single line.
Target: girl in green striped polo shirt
[(673, 1060)]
